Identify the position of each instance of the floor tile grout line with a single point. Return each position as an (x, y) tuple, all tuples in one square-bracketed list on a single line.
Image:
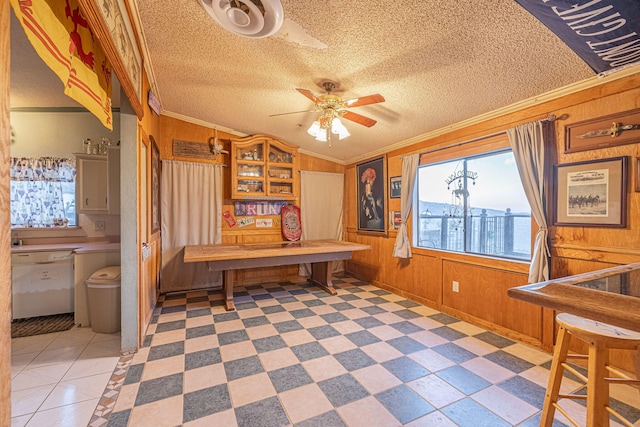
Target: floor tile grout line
[(159, 314), (84, 344)]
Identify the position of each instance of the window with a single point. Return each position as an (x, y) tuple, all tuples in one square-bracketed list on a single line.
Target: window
[(42, 192), (475, 205)]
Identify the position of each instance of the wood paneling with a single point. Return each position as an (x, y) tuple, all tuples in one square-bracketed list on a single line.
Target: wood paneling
[(316, 164), (148, 290), (574, 250), (350, 216), (5, 231), (171, 128), (483, 294)]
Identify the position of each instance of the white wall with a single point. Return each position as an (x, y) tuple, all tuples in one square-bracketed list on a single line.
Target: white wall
[(129, 243), (57, 134), (60, 134)]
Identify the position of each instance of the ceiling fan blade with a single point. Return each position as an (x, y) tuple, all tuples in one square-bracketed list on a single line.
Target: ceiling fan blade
[(362, 120), (310, 95), (365, 100), (293, 112)]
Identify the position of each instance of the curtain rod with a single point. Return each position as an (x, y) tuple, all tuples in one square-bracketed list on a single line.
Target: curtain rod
[(549, 118)]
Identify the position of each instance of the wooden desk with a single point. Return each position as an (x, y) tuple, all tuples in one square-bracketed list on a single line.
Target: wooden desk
[(231, 257), (611, 295)]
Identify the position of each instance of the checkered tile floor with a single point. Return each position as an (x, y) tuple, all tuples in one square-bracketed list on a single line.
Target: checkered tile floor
[(294, 355)]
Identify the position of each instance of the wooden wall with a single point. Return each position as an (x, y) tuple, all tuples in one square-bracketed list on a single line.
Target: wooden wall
[(5, 230), (148, 268), (482, 298), (172, 128)]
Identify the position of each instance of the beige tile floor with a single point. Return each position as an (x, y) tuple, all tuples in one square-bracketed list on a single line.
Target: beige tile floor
[(58, 379)]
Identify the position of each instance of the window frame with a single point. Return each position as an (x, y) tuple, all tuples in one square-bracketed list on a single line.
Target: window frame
[(464, 151), (64, 183)]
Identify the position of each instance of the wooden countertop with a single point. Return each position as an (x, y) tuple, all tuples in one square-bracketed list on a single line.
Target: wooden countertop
[(610, 296), (199, 253), (78, 248)]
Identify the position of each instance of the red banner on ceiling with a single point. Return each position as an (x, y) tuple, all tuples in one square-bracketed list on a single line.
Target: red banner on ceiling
[(62, 38)]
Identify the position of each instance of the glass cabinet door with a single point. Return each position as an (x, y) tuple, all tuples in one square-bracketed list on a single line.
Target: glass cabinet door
[(264, 167)]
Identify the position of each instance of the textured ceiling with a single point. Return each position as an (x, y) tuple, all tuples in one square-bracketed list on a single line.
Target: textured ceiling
[(33, 84), (436, 62)]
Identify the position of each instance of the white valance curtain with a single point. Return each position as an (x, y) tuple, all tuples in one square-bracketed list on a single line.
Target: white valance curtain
[(191, 213), (321, 209), (528, 142), (402, 247)]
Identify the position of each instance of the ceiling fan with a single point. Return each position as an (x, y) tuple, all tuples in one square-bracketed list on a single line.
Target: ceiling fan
[(332, 108)]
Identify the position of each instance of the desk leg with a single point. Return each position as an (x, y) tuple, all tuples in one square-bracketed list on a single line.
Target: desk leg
[(321, 276), (227, 290)]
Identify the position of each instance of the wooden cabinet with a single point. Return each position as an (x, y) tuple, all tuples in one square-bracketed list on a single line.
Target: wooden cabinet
[(264, 168), (98, 183)]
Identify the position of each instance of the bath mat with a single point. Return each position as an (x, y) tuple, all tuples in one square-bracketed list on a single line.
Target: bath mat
[(41, 325)]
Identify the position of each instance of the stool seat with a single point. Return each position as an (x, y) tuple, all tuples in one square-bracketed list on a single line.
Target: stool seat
[(600, 338), (588, 329)]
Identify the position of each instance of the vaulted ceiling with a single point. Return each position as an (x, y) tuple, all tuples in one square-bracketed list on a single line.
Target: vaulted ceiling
[(436, 62)]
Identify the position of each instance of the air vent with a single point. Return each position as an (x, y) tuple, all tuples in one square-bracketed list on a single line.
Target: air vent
[(247, 18)]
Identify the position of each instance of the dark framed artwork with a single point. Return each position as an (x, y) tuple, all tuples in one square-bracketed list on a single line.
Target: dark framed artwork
[(591, 193), (371, 185), (395, 187), (155, 186)]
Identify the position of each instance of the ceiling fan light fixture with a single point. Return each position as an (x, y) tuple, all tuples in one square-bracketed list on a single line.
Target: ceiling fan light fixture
[(339, 129), (314, 129), (344, 133), (321, 135)]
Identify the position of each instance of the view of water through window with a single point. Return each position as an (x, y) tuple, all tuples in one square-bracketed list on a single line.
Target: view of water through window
[(476, 205)]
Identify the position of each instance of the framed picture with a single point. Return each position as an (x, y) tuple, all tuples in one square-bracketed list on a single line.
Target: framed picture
[(371, 180), (395, 187), (155, 186), (395, 219), (591, 193), (110, 21)]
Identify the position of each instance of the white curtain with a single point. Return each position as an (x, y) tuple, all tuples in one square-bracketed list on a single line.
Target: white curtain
[(402, 247), (191, 213), (527, 142), (321, 209)]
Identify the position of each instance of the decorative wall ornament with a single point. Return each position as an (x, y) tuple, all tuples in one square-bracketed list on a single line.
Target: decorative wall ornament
[(460, 200), (603, 132)]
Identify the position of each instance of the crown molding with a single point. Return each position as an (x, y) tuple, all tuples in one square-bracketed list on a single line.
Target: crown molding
[(321, 156), (55, 110), (202, 123), (520, 105)]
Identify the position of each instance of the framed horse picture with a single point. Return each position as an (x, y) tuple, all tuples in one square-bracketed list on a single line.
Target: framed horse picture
[(591, 193)]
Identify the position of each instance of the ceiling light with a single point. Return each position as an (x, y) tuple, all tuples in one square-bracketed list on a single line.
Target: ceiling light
[(314, 129), (247, 18), (328, 125)]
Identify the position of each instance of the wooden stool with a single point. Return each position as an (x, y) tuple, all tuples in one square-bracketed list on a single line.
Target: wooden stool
[(600, 338)]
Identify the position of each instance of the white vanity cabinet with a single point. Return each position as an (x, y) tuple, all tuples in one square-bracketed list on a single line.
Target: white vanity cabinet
[(98, 182)]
